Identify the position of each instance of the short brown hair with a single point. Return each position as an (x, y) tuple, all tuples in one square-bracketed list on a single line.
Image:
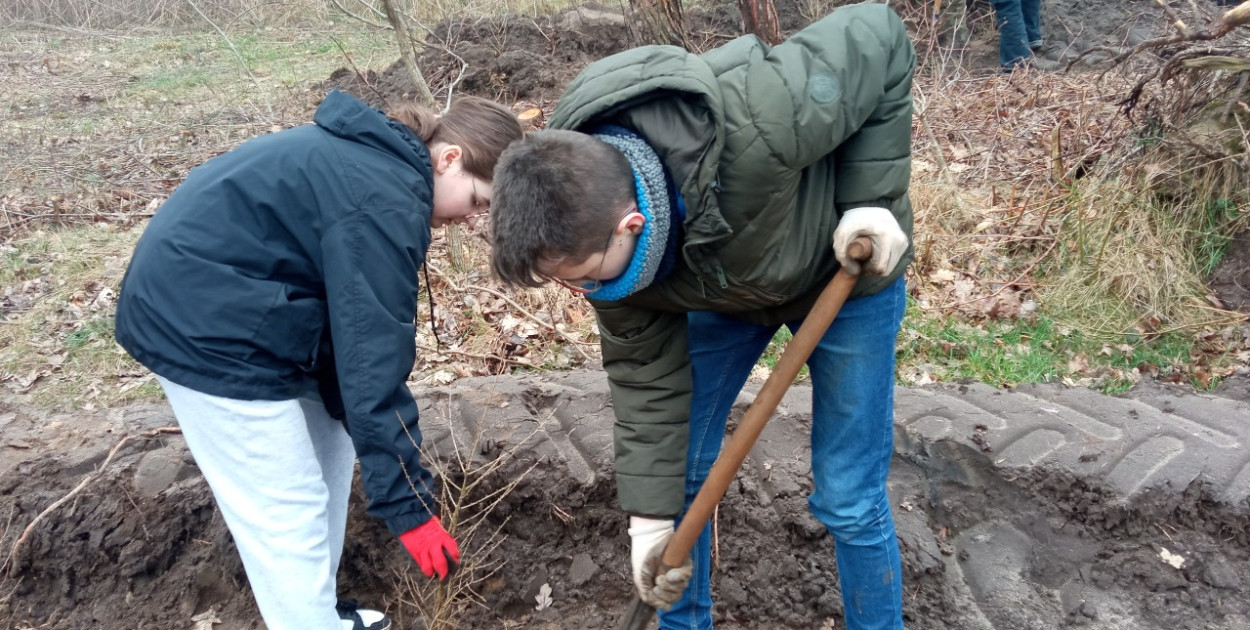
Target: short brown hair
[(480, 127), (555, 193)]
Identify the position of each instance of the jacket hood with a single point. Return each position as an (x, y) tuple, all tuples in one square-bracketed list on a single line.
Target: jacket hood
[(348, 117)]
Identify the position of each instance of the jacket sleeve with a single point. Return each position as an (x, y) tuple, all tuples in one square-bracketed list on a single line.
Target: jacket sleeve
[(370, 263), (648, 366), (845, 82)]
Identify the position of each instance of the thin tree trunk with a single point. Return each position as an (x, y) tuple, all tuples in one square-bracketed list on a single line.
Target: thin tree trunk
[(660, 21), (406, 45), (760, 17)]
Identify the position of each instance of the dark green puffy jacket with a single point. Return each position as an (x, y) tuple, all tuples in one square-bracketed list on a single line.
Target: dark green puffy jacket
[(768, 146)]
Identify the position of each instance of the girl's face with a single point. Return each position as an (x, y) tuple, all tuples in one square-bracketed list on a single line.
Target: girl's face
[(459, 197)]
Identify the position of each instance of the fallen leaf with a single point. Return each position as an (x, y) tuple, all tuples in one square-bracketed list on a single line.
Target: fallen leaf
[(543, 597), (205, 620), (1171, 558)]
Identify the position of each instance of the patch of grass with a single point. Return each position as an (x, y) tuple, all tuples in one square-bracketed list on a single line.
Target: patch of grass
[(57, 334), (938, 347), (775, 347), (1134, 249), (90, 332), (772, 354), (1213, 235), (172, 81)]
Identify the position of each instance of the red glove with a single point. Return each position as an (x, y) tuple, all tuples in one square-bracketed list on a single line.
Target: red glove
[(433, 548)]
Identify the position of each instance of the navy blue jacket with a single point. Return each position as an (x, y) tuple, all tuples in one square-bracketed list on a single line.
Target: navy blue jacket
[(289, 266)]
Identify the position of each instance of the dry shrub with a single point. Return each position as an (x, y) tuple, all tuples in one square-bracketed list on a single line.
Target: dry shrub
[(1142, 241), (126, 14), (475, 478), (1038, 185), (486, 328)]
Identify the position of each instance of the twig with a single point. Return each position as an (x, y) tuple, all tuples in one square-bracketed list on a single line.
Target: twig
[(461, 289), (1177, 22), (1236, 96), (365, 20), (933, 141), (234, 50), (1158, 42), (363, 78), (484, 357), (12, 559)]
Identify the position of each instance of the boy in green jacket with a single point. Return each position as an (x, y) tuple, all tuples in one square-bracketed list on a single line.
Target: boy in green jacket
[(700, 202)]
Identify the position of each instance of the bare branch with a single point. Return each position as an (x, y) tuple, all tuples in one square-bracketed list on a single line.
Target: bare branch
[(234, 50), (406, 46), (359, 18)]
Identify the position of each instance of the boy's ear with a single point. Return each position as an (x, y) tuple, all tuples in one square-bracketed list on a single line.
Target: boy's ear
[(634, 222)]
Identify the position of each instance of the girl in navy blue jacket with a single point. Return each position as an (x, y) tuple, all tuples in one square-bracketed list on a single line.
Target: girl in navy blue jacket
[(274, 296)]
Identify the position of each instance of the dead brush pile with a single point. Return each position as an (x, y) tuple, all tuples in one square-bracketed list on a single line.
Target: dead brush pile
[(1101, 197)]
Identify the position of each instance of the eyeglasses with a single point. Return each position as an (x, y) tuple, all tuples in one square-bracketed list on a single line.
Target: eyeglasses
[(480, 207), (594, 284)]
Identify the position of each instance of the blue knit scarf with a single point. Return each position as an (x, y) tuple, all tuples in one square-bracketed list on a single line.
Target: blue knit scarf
[(656, 245)]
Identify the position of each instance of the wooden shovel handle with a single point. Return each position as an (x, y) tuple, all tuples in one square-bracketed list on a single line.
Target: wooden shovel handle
[(792, 359)]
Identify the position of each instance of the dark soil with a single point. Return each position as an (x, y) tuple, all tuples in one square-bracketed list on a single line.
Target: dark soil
[(140, 545), (1231, 279)]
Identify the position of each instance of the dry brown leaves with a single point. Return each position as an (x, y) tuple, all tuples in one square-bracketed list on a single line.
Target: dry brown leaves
[(991, 157)]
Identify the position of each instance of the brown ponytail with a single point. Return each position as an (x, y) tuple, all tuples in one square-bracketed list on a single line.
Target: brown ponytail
[(481, 128)]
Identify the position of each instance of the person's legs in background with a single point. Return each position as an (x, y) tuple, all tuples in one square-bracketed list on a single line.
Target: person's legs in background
[(1013, 43), (722, 352), (852, 442), (1031, 14), (283, 504)]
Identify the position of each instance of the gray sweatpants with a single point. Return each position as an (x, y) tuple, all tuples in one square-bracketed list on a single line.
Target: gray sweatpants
[(281, 473)]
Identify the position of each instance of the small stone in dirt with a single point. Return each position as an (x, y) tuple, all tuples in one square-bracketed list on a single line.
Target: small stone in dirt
[(1088, 610), (1221, 575), (732, 593), (582, 570)]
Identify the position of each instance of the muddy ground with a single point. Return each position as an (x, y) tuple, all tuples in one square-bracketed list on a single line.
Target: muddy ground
[(131, 538), (108, 525)]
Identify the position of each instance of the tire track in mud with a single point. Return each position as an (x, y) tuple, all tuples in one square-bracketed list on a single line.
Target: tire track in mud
[(1044, 507)]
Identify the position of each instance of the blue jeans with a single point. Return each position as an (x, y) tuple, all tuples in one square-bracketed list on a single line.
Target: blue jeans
[(1019, 23), (852, 372)]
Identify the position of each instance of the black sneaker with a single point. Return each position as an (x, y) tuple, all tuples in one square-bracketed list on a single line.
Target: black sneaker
[(357, 618)]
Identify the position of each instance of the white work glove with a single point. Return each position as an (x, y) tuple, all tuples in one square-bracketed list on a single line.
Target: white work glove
[(888, 240), (648, 537)]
